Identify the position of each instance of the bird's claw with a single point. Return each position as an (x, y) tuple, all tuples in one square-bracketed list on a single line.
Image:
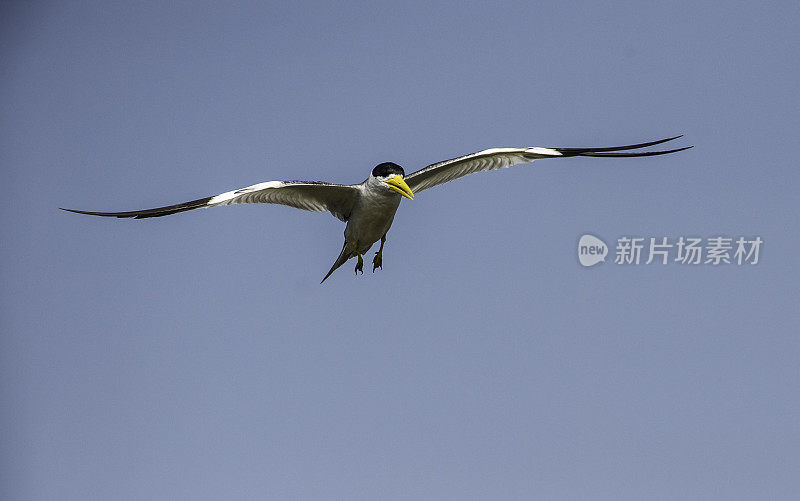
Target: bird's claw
[(377, 261), (360, 265)]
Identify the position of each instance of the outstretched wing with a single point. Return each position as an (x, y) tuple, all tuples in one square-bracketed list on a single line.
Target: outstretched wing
[(338, 199), (500, 158)]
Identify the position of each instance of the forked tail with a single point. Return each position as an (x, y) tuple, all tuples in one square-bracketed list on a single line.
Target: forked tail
[(343, 257)]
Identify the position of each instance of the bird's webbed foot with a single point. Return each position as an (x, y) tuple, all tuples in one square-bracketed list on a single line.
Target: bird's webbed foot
[(360, 265), (377, 261)]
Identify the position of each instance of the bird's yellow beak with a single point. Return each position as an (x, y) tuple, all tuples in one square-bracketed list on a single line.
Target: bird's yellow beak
[(397, 184)]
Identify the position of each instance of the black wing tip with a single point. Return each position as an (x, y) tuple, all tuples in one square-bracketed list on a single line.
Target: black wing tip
[(635, 154), (141, 214), (607, 151), (104, 214)]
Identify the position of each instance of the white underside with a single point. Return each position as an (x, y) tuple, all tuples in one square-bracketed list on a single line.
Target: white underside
[(372, 216)]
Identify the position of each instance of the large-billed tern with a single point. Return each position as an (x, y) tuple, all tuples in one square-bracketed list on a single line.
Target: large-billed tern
[(368, 208)]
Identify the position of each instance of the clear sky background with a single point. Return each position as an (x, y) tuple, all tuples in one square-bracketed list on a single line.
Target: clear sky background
[(197, 356)]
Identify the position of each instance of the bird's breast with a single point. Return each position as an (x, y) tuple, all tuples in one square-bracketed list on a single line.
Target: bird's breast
[(371, 219)]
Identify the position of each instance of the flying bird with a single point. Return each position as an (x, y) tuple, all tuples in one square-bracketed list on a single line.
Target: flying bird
[(368, 208)]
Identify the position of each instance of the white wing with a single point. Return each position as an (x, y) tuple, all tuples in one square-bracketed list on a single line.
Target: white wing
[(500, 158), (338, 199)]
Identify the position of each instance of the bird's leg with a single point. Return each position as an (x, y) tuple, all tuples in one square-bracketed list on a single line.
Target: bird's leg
[(377, 261), (360, 263)]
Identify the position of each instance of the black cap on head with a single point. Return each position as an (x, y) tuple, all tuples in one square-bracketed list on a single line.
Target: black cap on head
[(387, 169)]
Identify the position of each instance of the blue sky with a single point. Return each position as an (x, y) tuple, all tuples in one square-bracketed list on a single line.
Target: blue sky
[(197, 356)]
